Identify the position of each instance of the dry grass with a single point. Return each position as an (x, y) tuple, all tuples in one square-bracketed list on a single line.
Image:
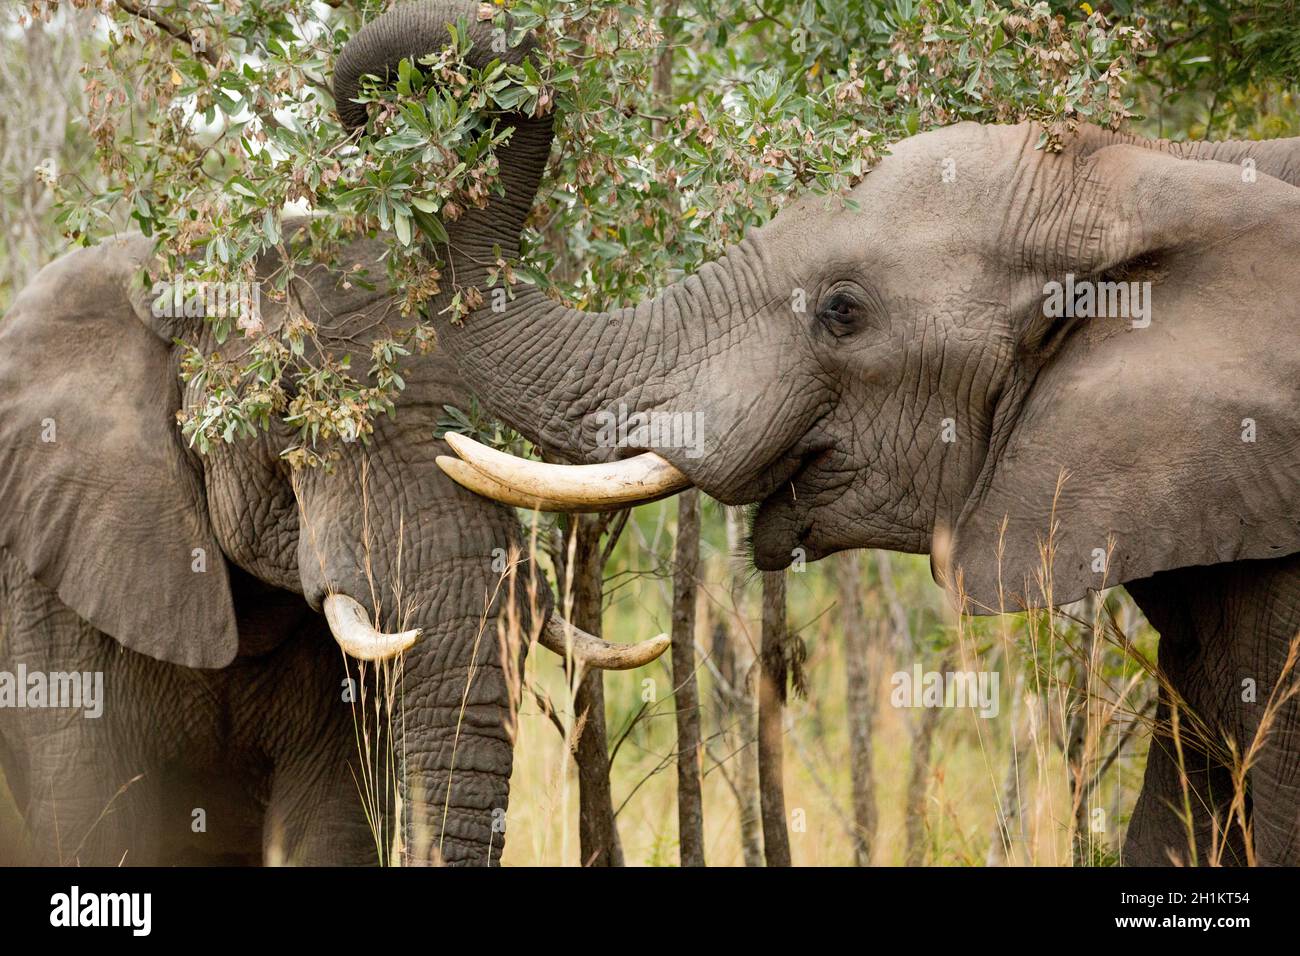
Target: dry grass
[(1084, 678), (964, 800)]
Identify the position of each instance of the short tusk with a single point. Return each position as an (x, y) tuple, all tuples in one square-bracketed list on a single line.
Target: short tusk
[(547, 487), (564, 639), (351, 627)]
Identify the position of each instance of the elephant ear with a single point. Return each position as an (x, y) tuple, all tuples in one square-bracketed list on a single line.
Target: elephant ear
[(98, 497), (1128, 450)]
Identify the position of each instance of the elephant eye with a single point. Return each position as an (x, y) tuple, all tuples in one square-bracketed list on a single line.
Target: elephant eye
[(839, 313)]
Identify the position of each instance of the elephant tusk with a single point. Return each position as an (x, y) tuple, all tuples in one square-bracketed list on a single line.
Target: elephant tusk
[(467, 476), (548, 487), (351, 627), (569, 641)]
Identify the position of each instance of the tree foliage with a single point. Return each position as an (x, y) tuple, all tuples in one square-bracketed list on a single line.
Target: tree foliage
[(214, 126)]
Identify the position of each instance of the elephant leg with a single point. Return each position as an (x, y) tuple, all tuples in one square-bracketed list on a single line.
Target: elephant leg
[(316, 813), (1275, 783), (82, 800), (1159, 833), (1271, 723), (1183, 808), (74, 822), (316, 817), (1225, 634)]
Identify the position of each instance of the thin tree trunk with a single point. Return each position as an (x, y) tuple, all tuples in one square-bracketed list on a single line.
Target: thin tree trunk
[(918, 779), (859, 703), (901, 631), (917, 784), (597, 832), (771, 700), (40, 93), (1009, 827), (663, 75), (751, 814), (735, 662), (923, 728), (1080, 742), (690, 801)]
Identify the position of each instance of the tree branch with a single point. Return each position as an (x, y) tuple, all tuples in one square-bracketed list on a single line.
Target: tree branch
[(170, 27)]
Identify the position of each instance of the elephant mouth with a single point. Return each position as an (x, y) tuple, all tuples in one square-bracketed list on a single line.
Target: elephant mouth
[(783, 526)]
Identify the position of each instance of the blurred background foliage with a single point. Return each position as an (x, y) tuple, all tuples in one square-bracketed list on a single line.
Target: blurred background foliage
[(680, 124)]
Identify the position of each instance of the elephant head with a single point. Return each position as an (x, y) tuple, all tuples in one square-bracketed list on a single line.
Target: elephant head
[(898, 367)]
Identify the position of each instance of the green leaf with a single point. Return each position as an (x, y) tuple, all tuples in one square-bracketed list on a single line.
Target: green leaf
[(270, 227), (431, 226)]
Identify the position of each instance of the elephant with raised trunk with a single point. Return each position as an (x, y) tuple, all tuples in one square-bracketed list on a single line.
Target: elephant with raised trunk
[(193, 585), (900, 372), (209, 598)]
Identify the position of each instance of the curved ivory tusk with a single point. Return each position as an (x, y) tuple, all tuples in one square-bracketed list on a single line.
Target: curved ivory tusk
[(467, 476), (351, 627), (547, 487), (564, 639)]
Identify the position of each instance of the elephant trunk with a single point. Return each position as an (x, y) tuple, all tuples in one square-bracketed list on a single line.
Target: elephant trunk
[(455, 713), (400, 561), (413, 30), (454, 746), (1279, 158), (555, 374), (579, 383), (453, 701)]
